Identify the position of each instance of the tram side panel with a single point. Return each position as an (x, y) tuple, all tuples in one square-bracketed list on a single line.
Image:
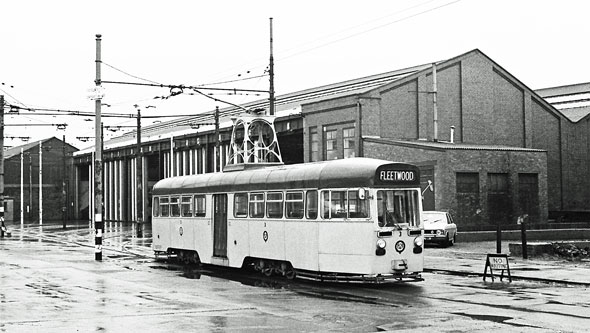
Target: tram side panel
[(238, 244), (203, 239), (347, 246), (267, 239), (301, 244), (182, 231), (161, 234)]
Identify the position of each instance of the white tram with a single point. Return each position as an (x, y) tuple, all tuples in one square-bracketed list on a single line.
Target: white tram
[(344, 220)]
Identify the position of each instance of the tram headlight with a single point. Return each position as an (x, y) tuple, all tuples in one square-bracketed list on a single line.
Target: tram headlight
[(440, 232), (380, 251), (418, 241)]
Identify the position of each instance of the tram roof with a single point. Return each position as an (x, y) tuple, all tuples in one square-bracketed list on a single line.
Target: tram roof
[(355, 172)]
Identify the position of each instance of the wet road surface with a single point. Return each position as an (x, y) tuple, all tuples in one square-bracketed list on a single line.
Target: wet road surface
[(50, 282)]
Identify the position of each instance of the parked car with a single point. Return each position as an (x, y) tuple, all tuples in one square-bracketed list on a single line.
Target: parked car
[(439, 228)]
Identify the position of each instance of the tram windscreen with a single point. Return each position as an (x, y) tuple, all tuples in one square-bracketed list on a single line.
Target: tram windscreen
[(396, 207)]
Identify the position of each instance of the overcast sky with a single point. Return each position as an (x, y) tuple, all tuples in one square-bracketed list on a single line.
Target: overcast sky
[(48, 49)]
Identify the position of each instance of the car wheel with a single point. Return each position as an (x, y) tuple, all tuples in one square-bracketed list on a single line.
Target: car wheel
[(450, 241)]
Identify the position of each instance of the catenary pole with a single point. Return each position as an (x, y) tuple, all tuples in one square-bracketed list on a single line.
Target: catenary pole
[(40, 182), (63, 184), (139, 177), (2, 226), (271, 74), (98, 207), (22, 191), (434, 103)]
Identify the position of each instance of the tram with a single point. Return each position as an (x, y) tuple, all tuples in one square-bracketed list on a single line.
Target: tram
[(355, 220)]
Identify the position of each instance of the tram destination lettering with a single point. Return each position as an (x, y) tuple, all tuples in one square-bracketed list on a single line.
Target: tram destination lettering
[(398, 175)]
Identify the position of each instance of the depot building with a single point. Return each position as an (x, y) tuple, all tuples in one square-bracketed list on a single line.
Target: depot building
[(493, 148)]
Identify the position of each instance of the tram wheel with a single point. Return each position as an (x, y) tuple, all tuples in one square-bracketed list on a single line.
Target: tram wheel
[(267, 271), (259, 266), (290, 274)]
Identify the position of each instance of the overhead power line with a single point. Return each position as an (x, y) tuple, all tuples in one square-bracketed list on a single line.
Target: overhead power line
[(16, 110), (176, 86)]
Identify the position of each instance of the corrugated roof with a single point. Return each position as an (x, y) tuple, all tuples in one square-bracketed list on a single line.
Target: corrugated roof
[(576, 114), (445, 145), (573, 100), (566, 90)]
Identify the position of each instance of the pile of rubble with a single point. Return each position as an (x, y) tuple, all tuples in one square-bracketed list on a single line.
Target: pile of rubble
[(571, 251)]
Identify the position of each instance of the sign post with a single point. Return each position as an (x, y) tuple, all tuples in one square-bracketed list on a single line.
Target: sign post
[(497, 261)]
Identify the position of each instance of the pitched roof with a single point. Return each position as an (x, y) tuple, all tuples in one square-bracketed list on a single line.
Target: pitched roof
[(13, 151)]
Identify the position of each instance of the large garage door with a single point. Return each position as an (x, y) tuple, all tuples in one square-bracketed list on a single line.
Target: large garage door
[(499, 202)]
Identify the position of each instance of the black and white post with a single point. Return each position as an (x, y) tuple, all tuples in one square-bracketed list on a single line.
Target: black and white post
[(98, 207)]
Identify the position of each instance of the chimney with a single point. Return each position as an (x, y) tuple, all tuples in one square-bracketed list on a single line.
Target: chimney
[(452, 134)]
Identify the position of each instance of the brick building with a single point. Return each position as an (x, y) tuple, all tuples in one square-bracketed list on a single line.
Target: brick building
[(498, 149), (56, 156)]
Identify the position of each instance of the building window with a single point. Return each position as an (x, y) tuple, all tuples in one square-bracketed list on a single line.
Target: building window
[(314, 145), (331, 146), (467, 182), (348, 142)]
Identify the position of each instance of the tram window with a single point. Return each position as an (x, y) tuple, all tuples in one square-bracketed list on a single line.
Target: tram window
[(325, 204), (256, 204), (274, 205), (312, 204), (334, 204), (186, 207), (294, 205), (338, 204), (199, 204), (174, 207), (156, 207), (395, 207), (241, 205), (164, 207), (357, 207)]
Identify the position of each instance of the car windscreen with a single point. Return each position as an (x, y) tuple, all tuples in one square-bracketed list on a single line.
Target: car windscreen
[(430, 218)]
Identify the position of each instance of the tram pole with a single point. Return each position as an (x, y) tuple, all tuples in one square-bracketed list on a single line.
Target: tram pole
[(63, 184), (2, 226), (217, 141), (271, 74), (98, 208), (139, 177)]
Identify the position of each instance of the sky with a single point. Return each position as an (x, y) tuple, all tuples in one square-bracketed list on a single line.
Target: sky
[(48, 50)]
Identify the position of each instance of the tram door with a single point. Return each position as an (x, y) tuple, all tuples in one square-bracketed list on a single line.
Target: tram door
[(220, 225)]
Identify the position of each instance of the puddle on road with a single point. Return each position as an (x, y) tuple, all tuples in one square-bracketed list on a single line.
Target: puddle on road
[(492, 318)]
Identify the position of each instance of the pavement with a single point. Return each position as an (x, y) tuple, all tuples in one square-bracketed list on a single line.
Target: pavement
[(464, 258), (469, 258)]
